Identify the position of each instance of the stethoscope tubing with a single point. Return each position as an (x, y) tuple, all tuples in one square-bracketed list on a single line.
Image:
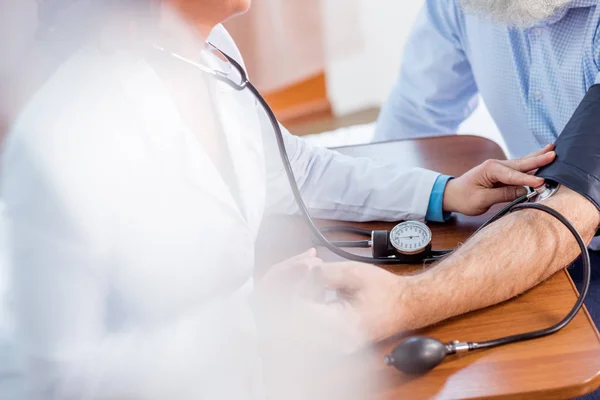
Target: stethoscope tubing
[(518, 204)]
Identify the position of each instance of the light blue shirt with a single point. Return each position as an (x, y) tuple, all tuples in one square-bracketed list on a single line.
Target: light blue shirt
[(531, 80)]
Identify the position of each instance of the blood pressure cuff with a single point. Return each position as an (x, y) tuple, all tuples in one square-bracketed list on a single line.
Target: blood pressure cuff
[(577, 164)]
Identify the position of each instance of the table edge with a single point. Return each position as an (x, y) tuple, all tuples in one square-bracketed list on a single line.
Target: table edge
[(424, 138), (593, 380)]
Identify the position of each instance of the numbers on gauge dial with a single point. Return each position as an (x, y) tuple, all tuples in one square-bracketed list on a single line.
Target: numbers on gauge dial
[(410, 237)]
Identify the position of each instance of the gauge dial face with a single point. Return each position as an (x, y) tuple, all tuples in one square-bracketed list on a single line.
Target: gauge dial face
[(410, 237)]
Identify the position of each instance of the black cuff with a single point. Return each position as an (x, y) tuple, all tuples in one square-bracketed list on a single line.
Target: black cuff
[(575, 179), (577, 164)]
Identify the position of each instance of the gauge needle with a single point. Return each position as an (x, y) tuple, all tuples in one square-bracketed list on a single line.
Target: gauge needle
[(406, 237)]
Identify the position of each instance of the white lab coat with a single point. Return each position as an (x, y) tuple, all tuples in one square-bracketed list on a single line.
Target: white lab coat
[(125, 283)]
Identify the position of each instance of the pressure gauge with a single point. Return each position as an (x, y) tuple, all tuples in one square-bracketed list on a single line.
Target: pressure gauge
[(410, 237)]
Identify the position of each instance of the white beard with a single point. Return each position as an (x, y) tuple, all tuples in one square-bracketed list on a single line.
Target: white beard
[(515, 13)]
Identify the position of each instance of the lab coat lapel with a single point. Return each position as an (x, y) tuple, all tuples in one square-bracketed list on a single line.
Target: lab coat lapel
[(242, 130), (169, 137)]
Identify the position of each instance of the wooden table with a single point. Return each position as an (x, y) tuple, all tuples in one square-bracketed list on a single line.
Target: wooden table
[(564, 365)]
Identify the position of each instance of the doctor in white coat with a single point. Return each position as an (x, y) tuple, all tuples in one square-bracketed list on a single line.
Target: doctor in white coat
[(134, 190)]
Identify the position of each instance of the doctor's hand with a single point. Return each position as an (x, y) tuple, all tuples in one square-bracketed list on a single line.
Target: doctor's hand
[(494, 182)]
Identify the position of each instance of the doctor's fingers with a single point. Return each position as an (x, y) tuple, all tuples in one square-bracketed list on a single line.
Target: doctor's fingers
[(530, 163), (505, 194), (545, 149), (548, 149), (498, 172)]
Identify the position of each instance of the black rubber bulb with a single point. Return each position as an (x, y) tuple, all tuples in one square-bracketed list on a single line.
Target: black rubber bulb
[(417, 355)]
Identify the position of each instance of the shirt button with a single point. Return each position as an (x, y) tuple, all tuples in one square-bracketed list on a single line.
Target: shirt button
[(536, 31), (538, 95)]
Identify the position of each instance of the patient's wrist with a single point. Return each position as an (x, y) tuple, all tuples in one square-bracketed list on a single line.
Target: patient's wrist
[(405, 307)]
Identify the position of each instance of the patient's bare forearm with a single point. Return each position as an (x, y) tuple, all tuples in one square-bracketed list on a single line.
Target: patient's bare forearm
[(504, 260)]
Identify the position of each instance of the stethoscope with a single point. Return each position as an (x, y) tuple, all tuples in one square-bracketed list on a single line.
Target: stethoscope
[(407, 243)]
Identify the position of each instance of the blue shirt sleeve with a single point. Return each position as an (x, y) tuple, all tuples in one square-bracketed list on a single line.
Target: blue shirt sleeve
[(435, 211), (435, 91)]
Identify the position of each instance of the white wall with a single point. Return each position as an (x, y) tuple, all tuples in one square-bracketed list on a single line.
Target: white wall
[(362, 78), (383, 26)]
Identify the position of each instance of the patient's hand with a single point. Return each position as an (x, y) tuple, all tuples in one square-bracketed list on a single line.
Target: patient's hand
[(494, 182), (294, 306), (368, 305)]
